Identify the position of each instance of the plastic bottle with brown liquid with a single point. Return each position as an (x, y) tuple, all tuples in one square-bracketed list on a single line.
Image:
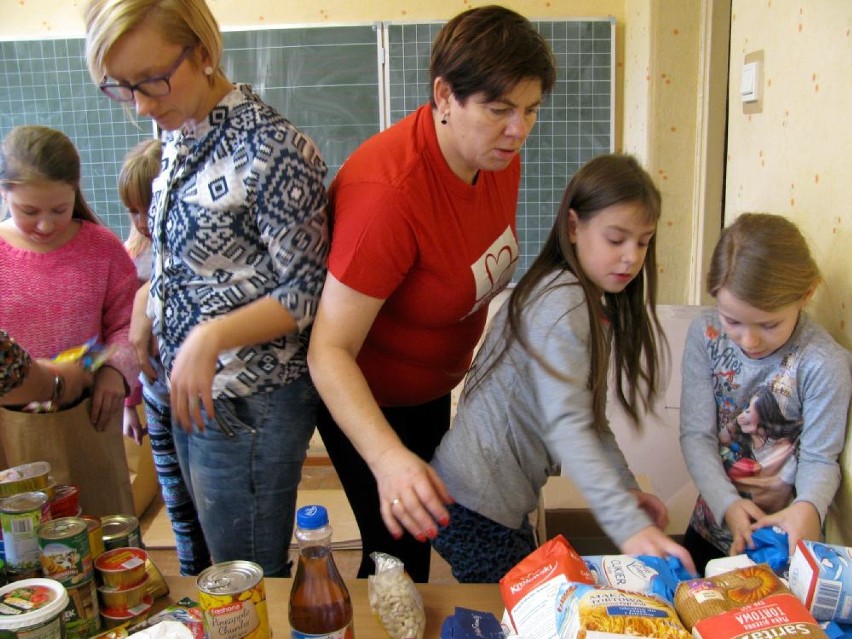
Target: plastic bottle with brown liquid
[(320, 607)]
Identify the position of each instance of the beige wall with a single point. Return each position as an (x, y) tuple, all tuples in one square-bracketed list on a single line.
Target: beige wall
[(793, 158)]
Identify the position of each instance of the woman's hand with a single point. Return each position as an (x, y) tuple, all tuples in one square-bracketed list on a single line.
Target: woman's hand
[(192, 377), (411, 494), (653, 507), (107, 396), (739, 518), (800, 520), (653, 541)]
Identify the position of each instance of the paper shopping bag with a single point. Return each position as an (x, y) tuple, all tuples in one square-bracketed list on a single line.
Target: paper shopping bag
[(93, 461)]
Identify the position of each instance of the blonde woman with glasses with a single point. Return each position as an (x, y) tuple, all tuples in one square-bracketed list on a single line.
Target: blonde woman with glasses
[(239, 238)]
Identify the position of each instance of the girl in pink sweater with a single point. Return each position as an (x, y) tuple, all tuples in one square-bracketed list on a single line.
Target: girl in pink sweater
[(66, 278)]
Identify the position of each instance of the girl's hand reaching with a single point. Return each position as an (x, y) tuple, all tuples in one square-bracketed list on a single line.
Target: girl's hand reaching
[(653, 541), (107, 396), (739, 518), (133, 427), (653, 507), (800, 520)]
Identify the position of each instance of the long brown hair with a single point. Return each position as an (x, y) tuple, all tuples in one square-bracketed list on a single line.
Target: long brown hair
[(605, 181), (31, 154)]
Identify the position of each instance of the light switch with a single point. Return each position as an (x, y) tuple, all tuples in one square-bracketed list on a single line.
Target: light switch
[(750, 82)]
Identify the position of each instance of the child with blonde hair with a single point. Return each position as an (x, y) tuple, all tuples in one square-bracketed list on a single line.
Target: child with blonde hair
[(760, 339), (141, 165)]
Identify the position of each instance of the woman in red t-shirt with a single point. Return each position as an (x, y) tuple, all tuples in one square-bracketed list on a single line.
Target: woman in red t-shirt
[(423, 238)]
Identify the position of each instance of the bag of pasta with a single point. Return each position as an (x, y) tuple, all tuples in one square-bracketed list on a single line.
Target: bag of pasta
[(601, 612), (700, 598), (394, 599)]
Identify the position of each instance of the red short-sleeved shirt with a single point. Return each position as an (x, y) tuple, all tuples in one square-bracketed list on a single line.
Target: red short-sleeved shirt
[(407, 230)]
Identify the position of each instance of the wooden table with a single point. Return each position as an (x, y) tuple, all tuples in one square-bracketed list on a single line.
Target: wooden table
[(439, 600)]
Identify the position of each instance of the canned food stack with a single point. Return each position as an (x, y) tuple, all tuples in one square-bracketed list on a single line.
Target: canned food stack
[(25, 493), (124, 586), (66, 557)]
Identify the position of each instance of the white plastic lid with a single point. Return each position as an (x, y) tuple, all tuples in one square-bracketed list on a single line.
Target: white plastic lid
[(30, 603)]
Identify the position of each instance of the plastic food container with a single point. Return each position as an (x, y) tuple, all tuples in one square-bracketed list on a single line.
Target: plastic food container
[(121, 567), (32, 609)]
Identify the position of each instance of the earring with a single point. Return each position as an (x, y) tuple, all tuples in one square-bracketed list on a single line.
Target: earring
[(208, 70), (444, 117)]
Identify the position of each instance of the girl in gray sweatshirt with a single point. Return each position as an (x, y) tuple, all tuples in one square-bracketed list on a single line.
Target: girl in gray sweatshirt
[(765, 396), (534, 399)]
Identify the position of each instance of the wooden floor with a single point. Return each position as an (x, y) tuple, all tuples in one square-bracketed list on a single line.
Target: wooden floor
[(315, 475)]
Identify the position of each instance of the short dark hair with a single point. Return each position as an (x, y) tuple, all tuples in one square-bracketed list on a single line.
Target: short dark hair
[(490, 49)]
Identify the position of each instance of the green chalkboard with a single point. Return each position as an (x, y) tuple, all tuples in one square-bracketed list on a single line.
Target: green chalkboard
[(339, 85), (324, 79)]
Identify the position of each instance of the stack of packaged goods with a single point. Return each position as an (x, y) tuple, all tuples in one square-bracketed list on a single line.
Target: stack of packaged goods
[(556, 594), (54, 559)]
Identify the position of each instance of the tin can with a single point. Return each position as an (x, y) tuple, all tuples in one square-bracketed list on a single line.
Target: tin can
[(121, 531), (233, 598), (157, 586), (121, 567), (65, 552), (65, 502), (81, 616), (114, 617), (96, 535), (20, 516), (32, 609)]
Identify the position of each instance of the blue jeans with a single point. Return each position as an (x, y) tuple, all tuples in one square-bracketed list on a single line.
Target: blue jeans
[(193, 556), (243, 471)]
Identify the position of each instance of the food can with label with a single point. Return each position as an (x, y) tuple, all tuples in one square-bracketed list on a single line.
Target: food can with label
[(96, 535), (32, 609), (121, 531), (121, 567), (81, 616), (157, 586), (65, 552), (20, 517), (233, 598), (65, 501)]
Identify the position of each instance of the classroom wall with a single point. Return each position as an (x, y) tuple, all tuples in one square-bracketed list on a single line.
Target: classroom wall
[(793, 157)]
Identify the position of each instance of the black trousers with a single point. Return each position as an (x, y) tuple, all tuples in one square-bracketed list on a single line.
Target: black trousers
[(420, 428)]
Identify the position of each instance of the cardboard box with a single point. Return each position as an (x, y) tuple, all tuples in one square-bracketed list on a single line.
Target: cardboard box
[(564, 511), (820, 575)]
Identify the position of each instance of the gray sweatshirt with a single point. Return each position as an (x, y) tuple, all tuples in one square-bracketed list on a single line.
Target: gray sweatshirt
[(793, 456), (521, 423)]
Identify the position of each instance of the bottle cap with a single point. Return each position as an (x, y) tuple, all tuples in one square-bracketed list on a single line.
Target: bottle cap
[(312, 517)]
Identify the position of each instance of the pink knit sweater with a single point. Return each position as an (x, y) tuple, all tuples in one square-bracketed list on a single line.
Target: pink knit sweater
[(56, 300)]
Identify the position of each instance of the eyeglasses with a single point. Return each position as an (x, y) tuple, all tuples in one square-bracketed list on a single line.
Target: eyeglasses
[(155, 87)]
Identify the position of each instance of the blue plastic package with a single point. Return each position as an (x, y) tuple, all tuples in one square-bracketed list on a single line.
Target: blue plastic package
[(644, 574), (771, 546), (471, 624)]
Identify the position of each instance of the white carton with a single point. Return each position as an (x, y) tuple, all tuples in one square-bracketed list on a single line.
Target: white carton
[(821, 577)]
